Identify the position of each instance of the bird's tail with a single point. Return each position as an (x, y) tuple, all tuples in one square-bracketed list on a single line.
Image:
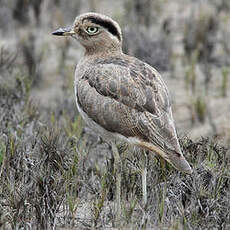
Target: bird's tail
[(174, 158)]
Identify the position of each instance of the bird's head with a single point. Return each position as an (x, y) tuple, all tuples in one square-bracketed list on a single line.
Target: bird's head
[(96, 32)]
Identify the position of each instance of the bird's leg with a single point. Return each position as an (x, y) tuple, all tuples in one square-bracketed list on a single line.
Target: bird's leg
[(117, 166), (144, 176)]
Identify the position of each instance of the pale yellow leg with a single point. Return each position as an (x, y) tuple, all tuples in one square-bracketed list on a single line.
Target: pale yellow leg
[(144, 177)]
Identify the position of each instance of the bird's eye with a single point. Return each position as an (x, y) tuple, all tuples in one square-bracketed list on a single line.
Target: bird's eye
[(92, 30)]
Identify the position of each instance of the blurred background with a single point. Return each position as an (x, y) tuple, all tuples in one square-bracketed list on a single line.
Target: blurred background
[(56, 173), (186, 41)]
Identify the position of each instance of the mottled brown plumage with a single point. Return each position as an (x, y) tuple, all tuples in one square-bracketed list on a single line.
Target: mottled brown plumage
[(119, 95), (122, 97)]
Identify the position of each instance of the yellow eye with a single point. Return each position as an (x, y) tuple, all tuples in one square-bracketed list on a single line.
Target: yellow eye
[(92, 30)]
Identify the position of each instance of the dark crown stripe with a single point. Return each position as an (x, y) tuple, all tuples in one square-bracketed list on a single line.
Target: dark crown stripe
[(106, 24)]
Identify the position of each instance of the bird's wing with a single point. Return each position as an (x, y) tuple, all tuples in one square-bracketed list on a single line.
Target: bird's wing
[(129, 97), (132, 82)]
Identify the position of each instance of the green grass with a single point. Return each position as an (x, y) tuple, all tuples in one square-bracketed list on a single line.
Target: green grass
[(225, 74), (51, 168), (200, 108), (2, 152), (55, 173)]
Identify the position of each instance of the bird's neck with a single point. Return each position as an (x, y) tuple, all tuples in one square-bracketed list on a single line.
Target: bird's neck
[(105, 49)]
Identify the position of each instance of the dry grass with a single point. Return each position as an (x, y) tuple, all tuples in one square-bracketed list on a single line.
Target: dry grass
[(51, 178), (55, 173)]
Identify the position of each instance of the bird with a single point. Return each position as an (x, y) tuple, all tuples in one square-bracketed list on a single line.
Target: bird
[(121, 97)]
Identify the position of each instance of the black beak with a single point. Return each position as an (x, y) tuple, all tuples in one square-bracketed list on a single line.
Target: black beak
[(64, 32)]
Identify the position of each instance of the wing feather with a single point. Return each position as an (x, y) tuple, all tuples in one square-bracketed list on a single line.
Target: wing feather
[(129, 97)]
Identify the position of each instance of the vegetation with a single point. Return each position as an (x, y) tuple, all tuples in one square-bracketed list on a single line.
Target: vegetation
[(55, 173), (47, 182)]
